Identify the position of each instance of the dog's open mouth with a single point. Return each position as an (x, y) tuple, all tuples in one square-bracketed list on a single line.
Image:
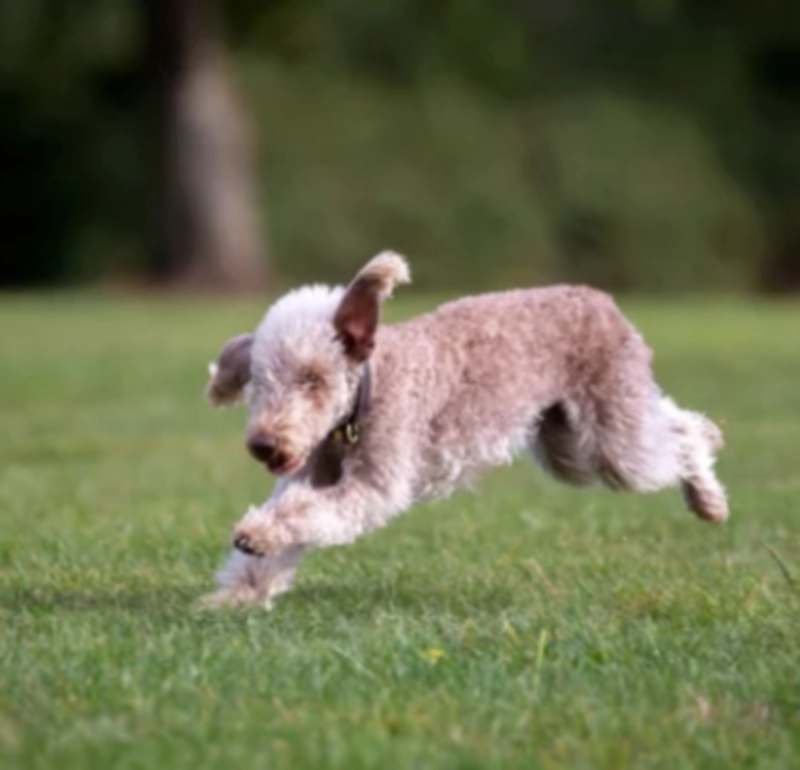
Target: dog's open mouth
[(283, 465)]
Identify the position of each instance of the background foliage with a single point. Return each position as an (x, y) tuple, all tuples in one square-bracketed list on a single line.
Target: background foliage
[(637, 144)]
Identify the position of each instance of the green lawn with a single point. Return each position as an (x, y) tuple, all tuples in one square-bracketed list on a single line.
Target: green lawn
[(527, 626)]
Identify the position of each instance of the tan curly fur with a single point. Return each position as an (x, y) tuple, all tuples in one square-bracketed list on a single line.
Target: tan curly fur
[(556, 371)]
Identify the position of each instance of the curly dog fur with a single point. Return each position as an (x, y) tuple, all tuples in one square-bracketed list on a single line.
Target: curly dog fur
[(556, 371)]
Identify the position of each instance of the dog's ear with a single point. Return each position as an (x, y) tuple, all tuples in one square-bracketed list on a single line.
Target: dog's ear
[(358, 313), (230, 372)]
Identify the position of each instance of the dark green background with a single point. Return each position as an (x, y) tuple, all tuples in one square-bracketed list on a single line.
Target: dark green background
[(638, 144)]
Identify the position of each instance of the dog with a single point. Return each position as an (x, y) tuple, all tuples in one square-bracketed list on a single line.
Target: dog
[(360, 420)]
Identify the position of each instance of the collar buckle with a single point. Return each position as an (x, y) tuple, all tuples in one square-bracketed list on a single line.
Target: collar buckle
[(350, 432)]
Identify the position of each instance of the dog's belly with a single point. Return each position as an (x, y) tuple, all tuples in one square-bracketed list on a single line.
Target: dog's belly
[(451, 466)]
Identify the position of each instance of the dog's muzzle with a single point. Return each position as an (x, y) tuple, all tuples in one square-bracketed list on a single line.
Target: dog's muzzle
[(266, 450)]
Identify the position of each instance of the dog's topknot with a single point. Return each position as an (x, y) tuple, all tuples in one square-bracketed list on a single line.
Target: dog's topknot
[(385, 271)]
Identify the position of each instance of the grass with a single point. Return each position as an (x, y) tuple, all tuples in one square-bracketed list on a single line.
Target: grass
[(528, 626)]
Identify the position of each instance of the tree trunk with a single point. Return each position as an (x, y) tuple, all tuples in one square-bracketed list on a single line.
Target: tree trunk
[(207, 233)]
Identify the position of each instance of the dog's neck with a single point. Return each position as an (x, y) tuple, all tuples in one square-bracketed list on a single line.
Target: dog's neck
[(348, 432), (326, 465)]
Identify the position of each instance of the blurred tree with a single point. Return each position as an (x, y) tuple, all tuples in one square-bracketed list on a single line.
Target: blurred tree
[(67, 150), (640, 144), (207, 220), (777, 171)]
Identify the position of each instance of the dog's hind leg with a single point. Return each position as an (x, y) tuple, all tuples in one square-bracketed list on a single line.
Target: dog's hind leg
[(659, 445), (698, 440), (561, 444), (634, 439)]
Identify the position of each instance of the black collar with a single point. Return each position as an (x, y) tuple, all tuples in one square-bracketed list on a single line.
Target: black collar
[(348, 432)]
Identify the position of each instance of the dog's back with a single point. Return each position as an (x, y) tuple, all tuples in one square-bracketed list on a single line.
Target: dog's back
[(478, 377)]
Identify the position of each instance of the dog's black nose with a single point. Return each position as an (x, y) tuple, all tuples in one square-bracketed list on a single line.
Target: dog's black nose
[(263, 448)]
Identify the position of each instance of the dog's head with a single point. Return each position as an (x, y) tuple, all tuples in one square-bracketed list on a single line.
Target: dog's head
[(299, 372)]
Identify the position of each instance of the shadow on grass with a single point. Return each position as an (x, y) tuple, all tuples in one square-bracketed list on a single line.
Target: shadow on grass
[(346, 598), (135, 599), (363, 600)]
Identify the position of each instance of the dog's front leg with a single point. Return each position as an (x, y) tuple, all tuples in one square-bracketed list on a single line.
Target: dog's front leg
[(306, 517), (257, 580)]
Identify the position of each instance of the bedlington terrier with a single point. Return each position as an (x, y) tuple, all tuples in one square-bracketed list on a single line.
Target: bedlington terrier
[(360, 420)]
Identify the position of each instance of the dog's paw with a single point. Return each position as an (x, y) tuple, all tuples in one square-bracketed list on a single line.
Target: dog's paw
[(257, 537), (249, 534), (247, 542), (225, 599), (706, 499), (268, 532), (214, 601)]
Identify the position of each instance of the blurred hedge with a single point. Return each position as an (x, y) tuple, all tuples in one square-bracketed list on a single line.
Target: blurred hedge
[(595, 186), (636, 145)]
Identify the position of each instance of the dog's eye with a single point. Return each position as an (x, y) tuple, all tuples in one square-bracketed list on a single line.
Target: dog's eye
[(310, 379)]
